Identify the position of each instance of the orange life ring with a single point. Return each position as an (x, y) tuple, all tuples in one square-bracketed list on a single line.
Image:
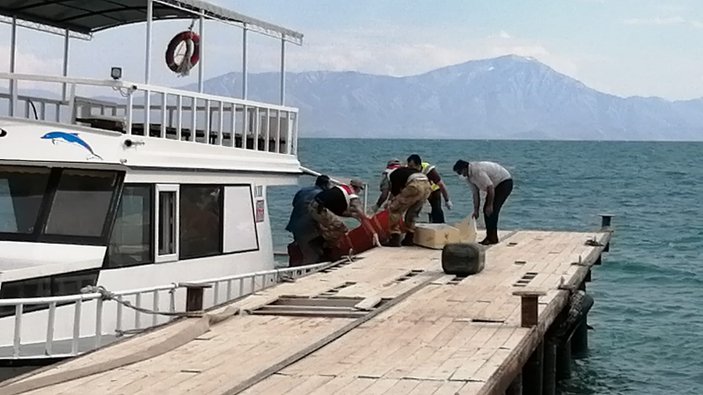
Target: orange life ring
[(173, 44)]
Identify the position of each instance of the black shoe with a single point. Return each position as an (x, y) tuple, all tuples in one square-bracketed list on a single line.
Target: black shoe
[(487, 242), (394, 241), (409, 240)]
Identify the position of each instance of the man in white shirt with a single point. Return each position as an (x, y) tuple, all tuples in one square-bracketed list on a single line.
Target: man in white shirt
[(496, 182)]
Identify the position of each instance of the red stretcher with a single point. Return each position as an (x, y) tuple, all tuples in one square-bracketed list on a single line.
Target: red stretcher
[(361, 238)]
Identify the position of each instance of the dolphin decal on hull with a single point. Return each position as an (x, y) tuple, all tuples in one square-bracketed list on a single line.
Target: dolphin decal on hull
[(71, 138)]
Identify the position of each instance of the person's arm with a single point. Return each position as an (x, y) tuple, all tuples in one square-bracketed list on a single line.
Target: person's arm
[(476, 199), (445, 194), (434, 176), (382, 199), (355, 210)]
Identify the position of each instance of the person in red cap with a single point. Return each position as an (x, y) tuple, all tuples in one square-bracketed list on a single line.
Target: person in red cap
[(385, 186)]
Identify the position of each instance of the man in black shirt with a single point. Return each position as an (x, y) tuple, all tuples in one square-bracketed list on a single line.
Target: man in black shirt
[(409, 188)]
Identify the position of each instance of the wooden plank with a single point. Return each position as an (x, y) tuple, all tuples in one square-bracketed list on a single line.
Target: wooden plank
[(310, 384), (426, 387), (448, 388), (333, 385), (470, 388), (380, 386), (264, 386), (484, 353), (358, 386), (403, 387)]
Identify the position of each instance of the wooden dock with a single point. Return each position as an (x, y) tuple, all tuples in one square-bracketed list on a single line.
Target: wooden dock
[(389, 323)]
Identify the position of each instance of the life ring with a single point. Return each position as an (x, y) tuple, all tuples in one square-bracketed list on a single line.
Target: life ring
[(192, 57)]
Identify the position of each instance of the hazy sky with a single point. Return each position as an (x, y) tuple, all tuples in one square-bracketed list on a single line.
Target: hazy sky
[(623, 47)]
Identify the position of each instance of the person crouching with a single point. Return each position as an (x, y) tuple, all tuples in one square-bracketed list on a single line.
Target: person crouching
[(328, 206), (409, 189)]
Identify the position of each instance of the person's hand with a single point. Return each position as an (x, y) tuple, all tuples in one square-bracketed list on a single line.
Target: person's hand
[(449, 204), (475, 214), (488, 210)]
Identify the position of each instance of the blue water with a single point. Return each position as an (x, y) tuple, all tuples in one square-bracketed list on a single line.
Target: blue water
[(648, 317)]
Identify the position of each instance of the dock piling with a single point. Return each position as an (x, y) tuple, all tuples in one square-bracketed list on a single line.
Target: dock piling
[(515, 387), (605, 226), (549, 375), (579, 340), (532, 372), (563, 360)]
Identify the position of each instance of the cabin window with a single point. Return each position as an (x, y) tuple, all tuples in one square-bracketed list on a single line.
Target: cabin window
[(239, 226), (21, 193), (200, 221), (56, 285), (131, 241), (81, 203), (167, 223)]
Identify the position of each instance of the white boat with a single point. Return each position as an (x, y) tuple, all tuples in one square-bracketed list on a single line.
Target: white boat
[(105, 193)]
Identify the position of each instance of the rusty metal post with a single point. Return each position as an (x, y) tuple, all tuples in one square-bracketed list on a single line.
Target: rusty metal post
[(529, 306), (194, 296)]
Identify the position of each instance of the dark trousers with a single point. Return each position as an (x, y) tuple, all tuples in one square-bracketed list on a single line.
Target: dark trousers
[(437, 215), (502, 191)]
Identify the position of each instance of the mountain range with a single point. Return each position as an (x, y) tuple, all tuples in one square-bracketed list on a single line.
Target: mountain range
[(508, 97)]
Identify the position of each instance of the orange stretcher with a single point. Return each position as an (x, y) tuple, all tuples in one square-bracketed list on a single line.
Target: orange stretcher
[(361, 238)]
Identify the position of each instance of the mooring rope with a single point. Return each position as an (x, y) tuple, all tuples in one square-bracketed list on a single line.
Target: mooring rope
[(106, 294)]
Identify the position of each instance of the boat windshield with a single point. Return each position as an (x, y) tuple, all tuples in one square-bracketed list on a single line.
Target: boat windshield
[(41, 204)]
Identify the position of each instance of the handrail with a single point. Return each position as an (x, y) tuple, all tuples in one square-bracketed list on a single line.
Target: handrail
[(61, 79), (90, 296), (133, 86), (180, 114)]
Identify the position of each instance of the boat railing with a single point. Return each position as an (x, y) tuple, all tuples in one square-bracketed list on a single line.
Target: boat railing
[(147, 304), (154, 111)]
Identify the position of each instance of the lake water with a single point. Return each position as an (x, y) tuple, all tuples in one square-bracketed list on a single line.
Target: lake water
[(648, 316)]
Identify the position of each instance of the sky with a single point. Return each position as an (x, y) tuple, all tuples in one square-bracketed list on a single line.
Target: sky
[(621, 47)]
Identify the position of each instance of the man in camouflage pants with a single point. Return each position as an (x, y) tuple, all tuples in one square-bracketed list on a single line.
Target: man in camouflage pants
[(330, 226), (410, 189), (328, 206)]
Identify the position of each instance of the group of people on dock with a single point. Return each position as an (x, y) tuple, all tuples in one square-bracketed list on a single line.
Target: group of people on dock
[(316, 221)]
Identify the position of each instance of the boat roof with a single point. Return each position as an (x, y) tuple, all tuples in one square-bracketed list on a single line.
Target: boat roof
[(90, 16)]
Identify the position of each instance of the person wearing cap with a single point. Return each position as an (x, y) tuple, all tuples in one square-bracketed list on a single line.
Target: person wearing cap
[(385, 186), (439, 190), (409, 190), (302, 226), (496, 182), (338, 201)]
